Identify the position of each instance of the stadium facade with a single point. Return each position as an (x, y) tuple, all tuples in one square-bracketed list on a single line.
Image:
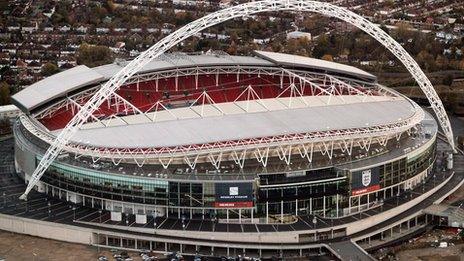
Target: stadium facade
[(231, 137), (268, 139)]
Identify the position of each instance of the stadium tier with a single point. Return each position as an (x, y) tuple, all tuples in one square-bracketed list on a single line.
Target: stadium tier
[(264, 139)]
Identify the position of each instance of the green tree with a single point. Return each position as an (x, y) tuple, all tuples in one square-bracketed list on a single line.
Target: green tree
[(94, 55), (49, 69), (4, 93)]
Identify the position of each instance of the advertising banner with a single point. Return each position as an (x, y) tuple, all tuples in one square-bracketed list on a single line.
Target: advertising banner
[(234, 195), (364, 181)]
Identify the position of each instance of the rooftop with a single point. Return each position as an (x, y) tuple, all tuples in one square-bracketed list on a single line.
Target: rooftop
[(374, 111)]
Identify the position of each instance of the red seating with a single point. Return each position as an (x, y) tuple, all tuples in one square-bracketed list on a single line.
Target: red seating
[(184, 91)]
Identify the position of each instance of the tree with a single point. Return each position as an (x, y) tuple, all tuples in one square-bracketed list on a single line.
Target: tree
[(322, 46), (403, 31), (448, 80), (426, 60), (327, 57), (232, 49), (461, 65), (4, 93), (49, 69), (94, 55)]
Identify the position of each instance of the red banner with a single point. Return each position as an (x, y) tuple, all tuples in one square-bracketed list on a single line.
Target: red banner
[(244, 204), (364, 190)]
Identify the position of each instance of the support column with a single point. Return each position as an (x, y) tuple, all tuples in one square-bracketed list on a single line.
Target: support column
[(323, 206), (281, 211), (359, 204), (349, 205), (296, 207), (310, 205), (267, 212)]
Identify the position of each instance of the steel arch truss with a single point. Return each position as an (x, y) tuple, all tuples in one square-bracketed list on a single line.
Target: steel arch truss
[(212, 19)]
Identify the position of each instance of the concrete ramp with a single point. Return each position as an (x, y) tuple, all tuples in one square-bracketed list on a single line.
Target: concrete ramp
[(350, 251), (454, 215)]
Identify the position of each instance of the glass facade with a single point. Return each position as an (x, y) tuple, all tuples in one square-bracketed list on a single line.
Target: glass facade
[(325, 192)]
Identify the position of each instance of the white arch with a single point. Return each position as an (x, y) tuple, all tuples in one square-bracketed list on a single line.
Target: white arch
[(218, 17)]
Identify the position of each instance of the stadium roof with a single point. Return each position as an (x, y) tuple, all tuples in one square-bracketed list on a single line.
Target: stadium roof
[(181, 132), (55, 86), (59, 85), (290, 60)]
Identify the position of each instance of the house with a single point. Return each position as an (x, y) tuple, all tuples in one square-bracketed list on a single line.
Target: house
[(102, 30), (13, 28), (119, 29), (298, 35), (65, 29), (81, 29)]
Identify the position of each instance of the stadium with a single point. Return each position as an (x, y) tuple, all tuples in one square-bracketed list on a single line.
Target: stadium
[(263, 155)]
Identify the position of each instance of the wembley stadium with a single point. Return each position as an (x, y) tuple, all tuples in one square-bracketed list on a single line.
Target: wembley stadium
[(232, 137), (268, 139), (210, 154)]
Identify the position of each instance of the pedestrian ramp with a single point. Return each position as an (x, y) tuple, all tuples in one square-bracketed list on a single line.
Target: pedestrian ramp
[(350, 251), (453, 215)]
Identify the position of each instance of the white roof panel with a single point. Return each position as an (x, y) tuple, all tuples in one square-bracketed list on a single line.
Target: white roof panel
[(54, 86), (247, 125), (290, 60)]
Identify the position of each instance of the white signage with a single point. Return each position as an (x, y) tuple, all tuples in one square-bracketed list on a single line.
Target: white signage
[(233, 191), (366, 177)]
